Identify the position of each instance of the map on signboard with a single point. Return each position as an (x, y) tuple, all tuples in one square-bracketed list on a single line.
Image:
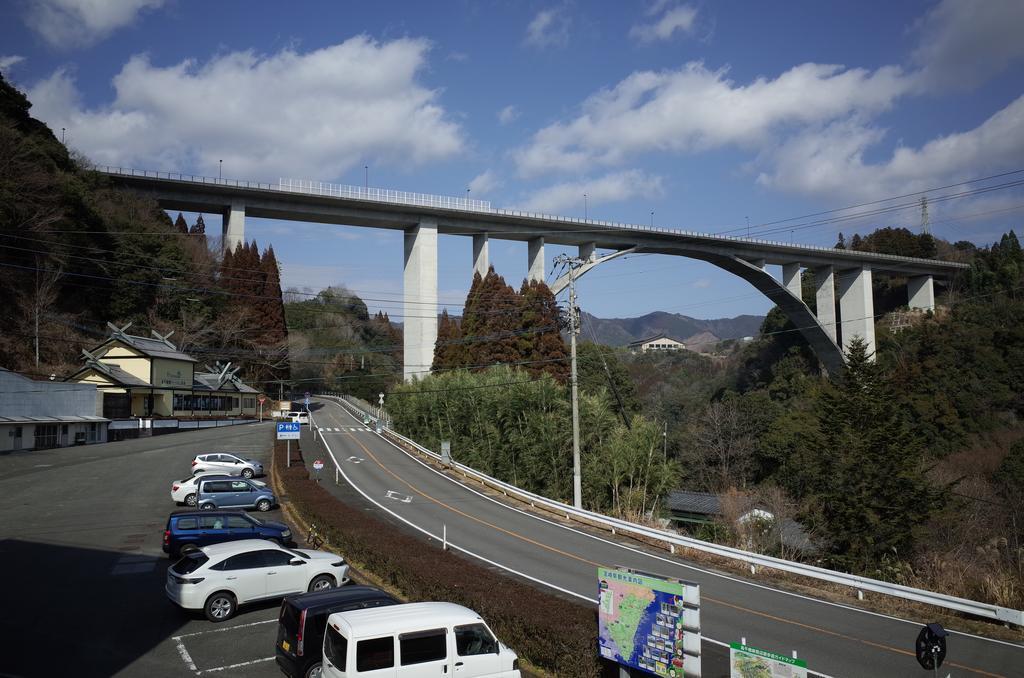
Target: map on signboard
[(640, 621), (751, 662)]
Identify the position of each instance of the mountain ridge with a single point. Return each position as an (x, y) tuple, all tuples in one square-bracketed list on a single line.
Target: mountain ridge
[(623, 331)]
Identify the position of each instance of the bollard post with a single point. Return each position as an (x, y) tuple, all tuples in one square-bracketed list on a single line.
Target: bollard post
[(444, 537)]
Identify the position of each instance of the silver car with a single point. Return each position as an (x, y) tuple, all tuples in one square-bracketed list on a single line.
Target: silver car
[(226, 462), (220, 493)]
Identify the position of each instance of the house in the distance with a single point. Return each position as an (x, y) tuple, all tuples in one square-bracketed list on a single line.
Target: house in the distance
[(147, 377), (38, 415), (658, 342)]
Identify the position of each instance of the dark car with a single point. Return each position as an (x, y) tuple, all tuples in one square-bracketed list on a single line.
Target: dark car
[(191, 529), (301, 624)]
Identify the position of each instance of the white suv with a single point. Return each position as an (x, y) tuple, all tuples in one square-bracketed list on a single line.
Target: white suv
[(220, 577), (184, 491), (225, 462)]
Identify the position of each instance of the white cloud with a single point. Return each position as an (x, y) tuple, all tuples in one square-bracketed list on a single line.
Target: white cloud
[(830, 161), (308, 115), (961, 44), (608, 188), (508, 114), (693, 109), (679, 18), (79, 23), (484, 183), (701, 283), (550, 28), (6, 62)]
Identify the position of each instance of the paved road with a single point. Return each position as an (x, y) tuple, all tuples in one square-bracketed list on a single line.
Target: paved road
[(835, 640), (82, 570)]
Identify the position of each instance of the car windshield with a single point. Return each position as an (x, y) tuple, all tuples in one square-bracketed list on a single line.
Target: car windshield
[(254, 519), (190, 563)]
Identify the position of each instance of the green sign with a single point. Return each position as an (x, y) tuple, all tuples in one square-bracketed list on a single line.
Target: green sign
[(751, 662)]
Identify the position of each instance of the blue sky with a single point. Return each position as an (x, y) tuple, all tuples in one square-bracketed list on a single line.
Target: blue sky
[(706, 113)]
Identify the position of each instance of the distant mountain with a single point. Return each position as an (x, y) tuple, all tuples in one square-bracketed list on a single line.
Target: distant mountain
[(622, 331)]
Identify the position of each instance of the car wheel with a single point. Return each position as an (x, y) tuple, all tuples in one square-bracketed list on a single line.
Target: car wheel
[(321, 582), (263, 505), (247, 473), (206, 507), (220, 607), (190, 499), (315, 670)]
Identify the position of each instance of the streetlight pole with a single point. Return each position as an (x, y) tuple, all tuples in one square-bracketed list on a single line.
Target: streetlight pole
[(366, 178), (652, 218), (577, 482), (61, 135), (584, 205), (220, 170)]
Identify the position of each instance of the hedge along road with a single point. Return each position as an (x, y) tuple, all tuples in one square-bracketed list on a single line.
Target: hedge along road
[(82, 570), (835, 640)]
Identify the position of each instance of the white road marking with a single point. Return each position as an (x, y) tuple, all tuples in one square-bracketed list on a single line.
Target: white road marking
[(185, 656), (221, 629), (355, 460), (404, 498), (236, 666), (42, 466)]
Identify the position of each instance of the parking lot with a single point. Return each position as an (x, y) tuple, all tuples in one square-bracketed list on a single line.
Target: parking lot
[(82, 570)]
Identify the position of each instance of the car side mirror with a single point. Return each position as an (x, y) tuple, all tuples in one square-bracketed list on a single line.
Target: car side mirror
[(296, 561)]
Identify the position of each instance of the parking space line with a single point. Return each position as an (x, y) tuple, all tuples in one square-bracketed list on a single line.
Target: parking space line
[(185, 656), (236, 666), (224, 628)]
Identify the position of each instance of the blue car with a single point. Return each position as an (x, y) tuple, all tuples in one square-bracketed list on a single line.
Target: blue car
[(191, 529)]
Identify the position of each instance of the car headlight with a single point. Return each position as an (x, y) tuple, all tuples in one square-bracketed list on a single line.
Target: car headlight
[(286, 534)]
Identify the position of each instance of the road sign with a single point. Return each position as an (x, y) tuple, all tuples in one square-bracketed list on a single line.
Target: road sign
[(318, 464), (930, 647), (750, 661), (288, 430), (262, 399)]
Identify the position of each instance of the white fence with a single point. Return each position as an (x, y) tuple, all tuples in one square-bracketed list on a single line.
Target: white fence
[(754, 560)]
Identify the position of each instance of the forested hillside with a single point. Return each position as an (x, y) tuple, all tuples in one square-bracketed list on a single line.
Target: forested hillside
[(76, 253), (905, 467)]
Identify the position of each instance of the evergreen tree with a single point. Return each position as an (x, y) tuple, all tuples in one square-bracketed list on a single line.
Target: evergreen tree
[(181, 224), (490, 323), (199, 230), (870, 492), (540, 340), (446, 350)]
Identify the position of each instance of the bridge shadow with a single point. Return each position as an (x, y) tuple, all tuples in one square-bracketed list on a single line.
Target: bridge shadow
[(84, 612)]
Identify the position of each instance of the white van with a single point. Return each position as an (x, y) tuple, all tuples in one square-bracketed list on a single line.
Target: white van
[(414, 640)]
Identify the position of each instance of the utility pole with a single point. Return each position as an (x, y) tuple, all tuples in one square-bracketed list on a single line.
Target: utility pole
[(577, 483)]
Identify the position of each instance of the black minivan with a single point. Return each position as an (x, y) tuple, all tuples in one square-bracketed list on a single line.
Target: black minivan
[(302, 621)]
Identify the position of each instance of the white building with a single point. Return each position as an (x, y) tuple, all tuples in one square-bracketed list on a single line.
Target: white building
[(37, 415), (657, 343)]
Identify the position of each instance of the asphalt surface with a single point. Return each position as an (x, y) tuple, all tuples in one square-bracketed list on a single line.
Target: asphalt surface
[(835, 640), (82, 571)]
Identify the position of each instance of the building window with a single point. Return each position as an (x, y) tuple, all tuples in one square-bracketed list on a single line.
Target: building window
[(46, 436)]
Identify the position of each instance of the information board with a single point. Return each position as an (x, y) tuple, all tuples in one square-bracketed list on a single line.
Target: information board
[(288, 430), (751, 662), (649, 623)]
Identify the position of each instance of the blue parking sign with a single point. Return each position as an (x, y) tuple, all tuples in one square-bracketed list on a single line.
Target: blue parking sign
[(288, 430)]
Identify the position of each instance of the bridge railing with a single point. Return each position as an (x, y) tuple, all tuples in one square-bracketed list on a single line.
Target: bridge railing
[(483, 206), (754, 560)]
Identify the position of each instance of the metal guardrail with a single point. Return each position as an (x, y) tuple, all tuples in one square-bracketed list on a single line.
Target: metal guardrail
[(446, 202), (987, 610)]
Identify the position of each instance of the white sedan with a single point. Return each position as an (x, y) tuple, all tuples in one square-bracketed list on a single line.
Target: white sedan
[(220, 577), (184, 491), (225, 462)]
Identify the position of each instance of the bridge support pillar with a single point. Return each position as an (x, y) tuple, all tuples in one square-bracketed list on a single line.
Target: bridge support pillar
[(587, 252), (233, 230), (857, 308), (824, 280), (481, 258), (921, 293), (535, 258), (791, 279), (420, 299)]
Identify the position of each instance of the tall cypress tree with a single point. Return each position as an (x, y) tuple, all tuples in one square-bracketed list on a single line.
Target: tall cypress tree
[(871, 493), (540, 340), (181, 224)]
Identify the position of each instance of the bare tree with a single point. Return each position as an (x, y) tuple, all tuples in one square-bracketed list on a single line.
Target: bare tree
[(722, 447)]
